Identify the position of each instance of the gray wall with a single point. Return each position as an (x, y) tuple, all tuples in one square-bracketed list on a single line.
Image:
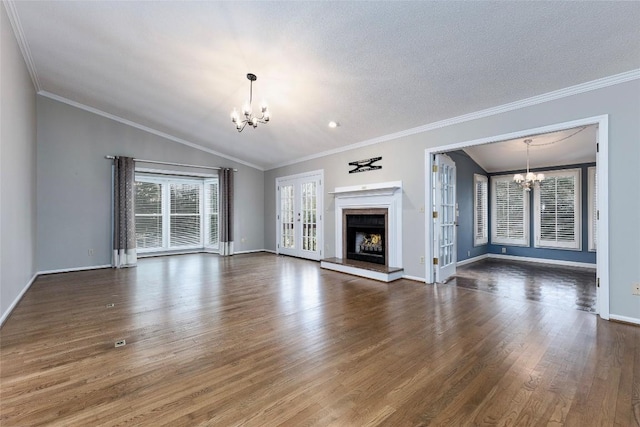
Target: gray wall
[(74, 184), (403, 159), (17, 170)]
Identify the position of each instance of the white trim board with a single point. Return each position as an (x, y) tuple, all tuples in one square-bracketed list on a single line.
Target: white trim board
[(69, 270), (543, 261), (15, 302), (472, 260), (602, 164), (414, 278), (625, 319)]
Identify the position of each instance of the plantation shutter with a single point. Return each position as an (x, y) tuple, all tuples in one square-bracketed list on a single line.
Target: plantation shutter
[(148, 212), (184, 215), (510, 213), (480, 214), (557, 210)]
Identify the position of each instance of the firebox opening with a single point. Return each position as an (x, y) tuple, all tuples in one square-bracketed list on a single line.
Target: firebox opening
[(365, 237)]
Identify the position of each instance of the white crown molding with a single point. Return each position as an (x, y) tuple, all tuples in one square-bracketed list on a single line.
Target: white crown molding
[(144, 128), (10, 7), (527, 102)]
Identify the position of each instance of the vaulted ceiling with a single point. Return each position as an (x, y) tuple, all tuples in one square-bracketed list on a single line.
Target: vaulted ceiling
[(377, 68)]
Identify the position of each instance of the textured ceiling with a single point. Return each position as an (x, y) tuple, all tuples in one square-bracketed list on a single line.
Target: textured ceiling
[(375, 67)]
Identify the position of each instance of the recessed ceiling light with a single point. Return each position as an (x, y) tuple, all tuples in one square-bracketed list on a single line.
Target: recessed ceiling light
[(333, 124)]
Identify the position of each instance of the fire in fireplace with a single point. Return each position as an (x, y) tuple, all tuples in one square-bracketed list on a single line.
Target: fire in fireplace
[(365, 235)]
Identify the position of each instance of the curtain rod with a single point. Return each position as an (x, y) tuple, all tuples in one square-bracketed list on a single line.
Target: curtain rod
[(171, 164)]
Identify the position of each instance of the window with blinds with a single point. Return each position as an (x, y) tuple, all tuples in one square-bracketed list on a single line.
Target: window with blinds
[(557, 210), (480, 210), (509, 212), (593, 208), (176, 213), (148, 213), (185, 215), (211, 213)]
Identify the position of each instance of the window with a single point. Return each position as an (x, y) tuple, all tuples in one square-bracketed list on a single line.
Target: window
[(175, 213), (593, 208), (148, 212), (480, 210), (557, 210), (509, 212)]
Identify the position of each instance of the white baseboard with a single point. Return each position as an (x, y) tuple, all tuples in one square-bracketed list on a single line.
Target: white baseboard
[(15, 302), (68, 270), (624, 319), (270, 251), (414, 278), (472, 260), (251, 251), (544, 261)]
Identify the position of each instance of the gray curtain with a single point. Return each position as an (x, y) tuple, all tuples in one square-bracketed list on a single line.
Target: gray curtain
[(225, 178), (124, 224)]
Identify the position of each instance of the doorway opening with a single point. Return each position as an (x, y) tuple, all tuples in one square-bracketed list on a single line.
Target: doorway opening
[(600, 124)]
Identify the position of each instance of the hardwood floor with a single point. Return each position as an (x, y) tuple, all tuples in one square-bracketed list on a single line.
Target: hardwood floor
[(560, 286), (261, 340)]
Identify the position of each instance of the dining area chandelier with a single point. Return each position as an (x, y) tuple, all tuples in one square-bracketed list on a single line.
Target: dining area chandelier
[(530, 179)]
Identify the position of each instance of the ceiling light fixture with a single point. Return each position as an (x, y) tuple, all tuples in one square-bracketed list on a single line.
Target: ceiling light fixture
[(530, 179), (333, 124), (249, 118)]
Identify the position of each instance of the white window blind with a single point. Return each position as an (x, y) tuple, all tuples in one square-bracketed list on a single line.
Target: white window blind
[(509, 212), (211, 213), (176, 213), (480, 210), (557, 210), (184, 218), (148, 212), (593, 208)]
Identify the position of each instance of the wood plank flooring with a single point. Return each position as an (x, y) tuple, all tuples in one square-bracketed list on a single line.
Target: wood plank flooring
[(560, 286), (262, 340)]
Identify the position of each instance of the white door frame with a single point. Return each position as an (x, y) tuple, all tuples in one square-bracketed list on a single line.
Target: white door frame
[(319, 206), (602, 255)]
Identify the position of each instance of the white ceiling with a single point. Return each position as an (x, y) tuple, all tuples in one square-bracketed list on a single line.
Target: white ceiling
[(376, 67), (566, 147)]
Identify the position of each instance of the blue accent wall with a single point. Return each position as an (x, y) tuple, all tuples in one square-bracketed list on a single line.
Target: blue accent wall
[(465, 168), (557, 254)]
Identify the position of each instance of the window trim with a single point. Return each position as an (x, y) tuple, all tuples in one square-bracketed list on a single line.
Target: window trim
[(166, 181), (495, 240), (576, 245), (484, 237)]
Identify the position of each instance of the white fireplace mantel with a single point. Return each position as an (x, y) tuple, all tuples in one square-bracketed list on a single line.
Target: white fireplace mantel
[(379, 189), (384, 195)]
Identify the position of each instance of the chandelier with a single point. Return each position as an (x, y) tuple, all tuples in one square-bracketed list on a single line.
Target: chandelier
[(249, 118), (530, 179)]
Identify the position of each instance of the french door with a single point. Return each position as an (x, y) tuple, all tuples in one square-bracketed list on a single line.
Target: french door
[(299, 215), (444, 218)]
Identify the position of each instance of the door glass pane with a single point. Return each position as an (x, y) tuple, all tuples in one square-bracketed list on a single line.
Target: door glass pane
[(309, 223), (287, 234), (447, 223)]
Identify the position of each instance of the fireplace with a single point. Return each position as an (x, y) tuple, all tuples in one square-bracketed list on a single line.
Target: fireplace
[(365, 235), (376, 241)]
